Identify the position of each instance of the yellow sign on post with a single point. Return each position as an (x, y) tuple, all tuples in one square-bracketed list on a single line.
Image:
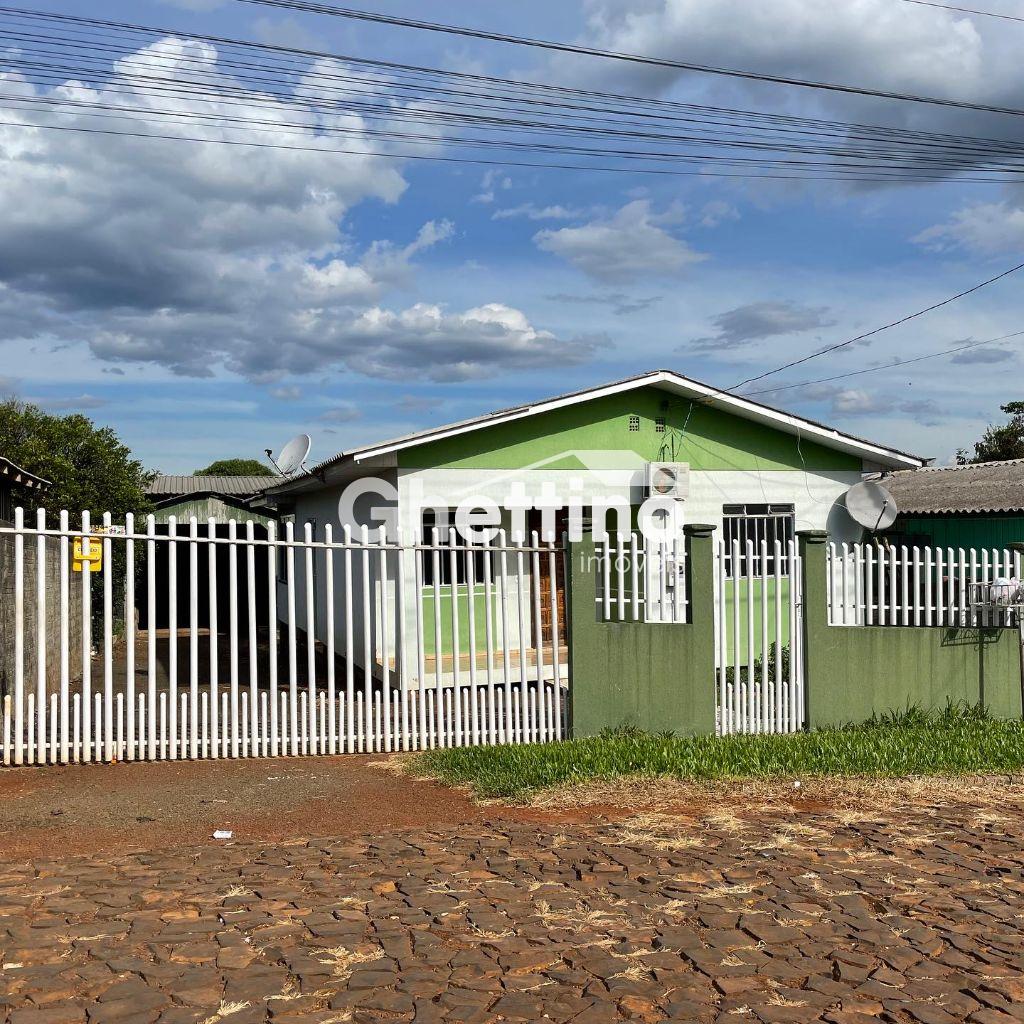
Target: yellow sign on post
[(87, 555)]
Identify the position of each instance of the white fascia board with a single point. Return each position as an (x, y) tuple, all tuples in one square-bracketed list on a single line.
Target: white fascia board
[(751, 410)]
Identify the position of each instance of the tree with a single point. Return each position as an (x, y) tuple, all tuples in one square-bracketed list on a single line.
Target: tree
[(1002, 442), (89, 467), (235, 467)]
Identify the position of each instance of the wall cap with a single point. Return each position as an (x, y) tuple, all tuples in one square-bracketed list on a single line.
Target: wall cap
[(698, 529), (812, 536)]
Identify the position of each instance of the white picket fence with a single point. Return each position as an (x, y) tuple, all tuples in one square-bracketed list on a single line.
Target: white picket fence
[(387, 664), (886, 585), (642, 579), (758, 638)]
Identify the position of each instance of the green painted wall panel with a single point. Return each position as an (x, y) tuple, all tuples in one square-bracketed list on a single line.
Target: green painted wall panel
[(966, 531), (713, 440), (657, 677), (853, 672), (445, 604)]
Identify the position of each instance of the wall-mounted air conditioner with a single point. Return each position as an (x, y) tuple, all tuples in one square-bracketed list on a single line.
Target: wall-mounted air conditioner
[(667, 480)]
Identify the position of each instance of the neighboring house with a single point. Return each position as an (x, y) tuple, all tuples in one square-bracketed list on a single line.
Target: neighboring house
[(17, 484), (753, 472), (221, 498), (218, 498), (973, 506)]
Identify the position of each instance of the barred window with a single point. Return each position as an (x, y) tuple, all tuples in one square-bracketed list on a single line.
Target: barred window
[(659, 425), (442, 522), (757, 524), (634, 424)]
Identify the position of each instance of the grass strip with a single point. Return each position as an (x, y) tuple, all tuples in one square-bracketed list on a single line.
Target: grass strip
[(959, 740)]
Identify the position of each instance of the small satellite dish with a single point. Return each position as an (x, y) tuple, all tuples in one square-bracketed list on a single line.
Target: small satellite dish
[(871, 505), (292, 455)]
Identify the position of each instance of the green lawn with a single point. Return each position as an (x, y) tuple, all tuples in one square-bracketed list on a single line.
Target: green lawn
[(957, 741)]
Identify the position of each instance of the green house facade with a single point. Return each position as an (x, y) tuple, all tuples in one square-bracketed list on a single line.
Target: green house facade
[(751, 472)]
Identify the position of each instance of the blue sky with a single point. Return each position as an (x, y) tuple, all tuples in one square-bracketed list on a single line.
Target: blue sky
[(209, 302)]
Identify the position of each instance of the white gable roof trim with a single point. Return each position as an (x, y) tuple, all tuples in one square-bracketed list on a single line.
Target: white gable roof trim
[(668, 379)]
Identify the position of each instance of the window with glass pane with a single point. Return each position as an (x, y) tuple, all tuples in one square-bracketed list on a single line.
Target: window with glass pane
[(757, 524), (443, 519)]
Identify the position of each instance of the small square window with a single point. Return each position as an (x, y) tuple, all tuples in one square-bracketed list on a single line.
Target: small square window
[(659, 425), (634, 424)]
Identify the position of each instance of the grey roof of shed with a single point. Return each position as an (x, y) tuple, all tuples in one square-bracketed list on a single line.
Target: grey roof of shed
[(235, 486), (985, 487)]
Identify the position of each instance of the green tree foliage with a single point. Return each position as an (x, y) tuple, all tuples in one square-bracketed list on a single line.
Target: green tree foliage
[(1005, 441), (235, 467), (88, 466)]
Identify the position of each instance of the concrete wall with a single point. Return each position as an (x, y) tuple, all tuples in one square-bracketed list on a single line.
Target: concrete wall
[(853, 672), (655, 676), (7, 633)]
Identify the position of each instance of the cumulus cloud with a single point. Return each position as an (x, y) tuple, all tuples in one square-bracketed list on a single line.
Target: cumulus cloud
[(757, 320), (861, 402), (620, 303), (717, 211), (984, 356), (981, 228), (341, 412), (633, 244), (426, 340), (531, 211), (199, 257)]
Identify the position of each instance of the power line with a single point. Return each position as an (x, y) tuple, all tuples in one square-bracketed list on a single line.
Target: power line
[(492, 109), (884, 327), (964, 10), (887, 366), (633, 58)]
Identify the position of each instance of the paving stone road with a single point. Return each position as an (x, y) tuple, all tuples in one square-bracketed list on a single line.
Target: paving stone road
[(911, 917)]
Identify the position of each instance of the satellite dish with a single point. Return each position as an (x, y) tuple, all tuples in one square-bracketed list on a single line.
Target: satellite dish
[(871, 505), (292, 455)]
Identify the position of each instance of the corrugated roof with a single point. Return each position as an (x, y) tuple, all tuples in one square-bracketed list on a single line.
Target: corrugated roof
[(238, 486), (21, 477), (985, 487)]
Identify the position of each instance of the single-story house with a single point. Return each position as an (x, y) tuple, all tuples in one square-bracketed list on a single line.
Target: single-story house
[(221, 498), (972, 506), (752, 471)]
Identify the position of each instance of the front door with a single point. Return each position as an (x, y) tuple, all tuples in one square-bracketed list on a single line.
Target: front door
[(561, 526)]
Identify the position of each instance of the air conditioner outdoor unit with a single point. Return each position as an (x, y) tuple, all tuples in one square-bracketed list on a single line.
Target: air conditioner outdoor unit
[(667, 480)]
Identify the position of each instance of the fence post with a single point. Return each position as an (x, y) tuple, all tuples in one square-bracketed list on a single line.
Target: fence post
[(814, 611), (1018, 555)]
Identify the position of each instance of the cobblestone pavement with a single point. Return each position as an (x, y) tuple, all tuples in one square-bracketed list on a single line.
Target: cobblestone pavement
[(842, 917)]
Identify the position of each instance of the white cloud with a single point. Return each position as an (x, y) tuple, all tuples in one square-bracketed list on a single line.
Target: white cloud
[(896, 46), (531, 211), (631, 245), (754, 321), (341, 412), (981, 227), (716, 212), (196, 257)]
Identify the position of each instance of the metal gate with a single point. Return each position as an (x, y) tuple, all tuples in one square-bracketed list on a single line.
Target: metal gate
[(758, 638), (226, 640)]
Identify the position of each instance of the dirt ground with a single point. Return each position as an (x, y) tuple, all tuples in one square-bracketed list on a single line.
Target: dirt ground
[(82, 809), (838, 902)]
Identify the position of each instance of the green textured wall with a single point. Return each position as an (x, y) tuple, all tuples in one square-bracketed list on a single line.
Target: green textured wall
[(965, 531), (658, 676), (713, 440), (853, 672)]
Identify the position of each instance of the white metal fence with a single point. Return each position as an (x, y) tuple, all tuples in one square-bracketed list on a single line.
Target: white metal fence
[(251, 644), (642, 579), (758, 638), (884, 585)]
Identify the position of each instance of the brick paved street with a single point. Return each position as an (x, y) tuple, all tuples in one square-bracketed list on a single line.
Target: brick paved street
[(836, 915)]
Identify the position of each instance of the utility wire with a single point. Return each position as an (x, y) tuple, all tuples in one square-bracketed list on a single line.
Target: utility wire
[(887, 366), (878, 330), (633, 58), (712, 135), (964, 10)]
